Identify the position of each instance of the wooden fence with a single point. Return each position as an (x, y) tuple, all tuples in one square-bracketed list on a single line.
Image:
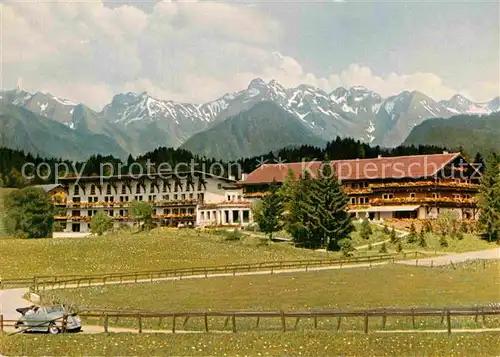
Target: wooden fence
[(44, 282), (231, 318)]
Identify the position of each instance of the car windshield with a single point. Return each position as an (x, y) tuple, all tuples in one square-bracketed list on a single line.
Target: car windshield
[(52, 309)]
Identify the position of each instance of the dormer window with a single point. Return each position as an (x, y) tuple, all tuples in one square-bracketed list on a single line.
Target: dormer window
[(92, 190), (137, 188), (108, 189), (76, 190)]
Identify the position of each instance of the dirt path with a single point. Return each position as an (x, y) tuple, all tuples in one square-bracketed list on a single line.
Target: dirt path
[(455, 258)]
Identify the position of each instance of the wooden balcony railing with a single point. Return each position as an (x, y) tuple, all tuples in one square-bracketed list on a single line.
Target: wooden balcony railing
[(470, 202)]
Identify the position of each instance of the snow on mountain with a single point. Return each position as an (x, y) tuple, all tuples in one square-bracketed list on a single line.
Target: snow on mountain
[(458, 104)]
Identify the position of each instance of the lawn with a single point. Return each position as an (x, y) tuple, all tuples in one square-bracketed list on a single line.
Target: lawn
[(469, 243), (120, 252), (317, 344), (3, 192), (347, 289)]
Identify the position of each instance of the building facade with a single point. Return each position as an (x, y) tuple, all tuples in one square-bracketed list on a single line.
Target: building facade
[(419, 187), (181, 199)]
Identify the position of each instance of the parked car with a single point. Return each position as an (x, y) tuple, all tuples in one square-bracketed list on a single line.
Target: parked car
[(43, 319)]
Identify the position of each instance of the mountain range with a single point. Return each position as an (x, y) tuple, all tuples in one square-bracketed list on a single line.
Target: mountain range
[(244, 123)]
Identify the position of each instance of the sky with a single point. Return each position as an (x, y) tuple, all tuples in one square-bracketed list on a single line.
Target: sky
[(88, 51)]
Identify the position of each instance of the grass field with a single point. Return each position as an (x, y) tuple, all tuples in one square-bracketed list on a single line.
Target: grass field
[(318, 344), (470, 242), (158, 249), (383, 286), (3, 192)]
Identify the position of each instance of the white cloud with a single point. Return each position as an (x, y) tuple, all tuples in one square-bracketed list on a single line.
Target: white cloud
[(195, 51)]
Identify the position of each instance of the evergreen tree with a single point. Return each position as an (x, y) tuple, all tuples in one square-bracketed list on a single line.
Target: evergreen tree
[(270, 219), (330, 218), (421, 239), (383, 248), (399, 247), (365, 229), (29, 213), (489, 199), (386, 230), (287, 193), (412, 236), (393, 237), (443, 242)]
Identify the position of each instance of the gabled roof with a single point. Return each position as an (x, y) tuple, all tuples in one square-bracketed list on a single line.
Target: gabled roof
[(48, 188), (416, 166)]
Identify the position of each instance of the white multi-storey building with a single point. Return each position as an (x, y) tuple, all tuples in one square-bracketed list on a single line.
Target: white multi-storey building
[(190, 198)]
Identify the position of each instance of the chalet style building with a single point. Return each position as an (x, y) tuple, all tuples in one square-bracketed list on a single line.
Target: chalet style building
[(187, 199), (382, 188), (416, 187)]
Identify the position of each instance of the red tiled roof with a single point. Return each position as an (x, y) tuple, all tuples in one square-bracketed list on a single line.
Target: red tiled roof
[(399, 167)]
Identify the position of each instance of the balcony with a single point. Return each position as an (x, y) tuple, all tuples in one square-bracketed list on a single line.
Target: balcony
[(227, 203), (445, 201), (358, 191), (433, 184), (254, 194)]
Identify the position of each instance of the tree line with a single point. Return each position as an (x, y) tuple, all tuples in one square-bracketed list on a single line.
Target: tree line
[(12, 161)]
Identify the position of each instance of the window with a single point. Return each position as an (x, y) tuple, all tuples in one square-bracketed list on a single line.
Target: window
[(166, 211), (191, 196), (76, 213), (457, 196), (154, 212), (92, 190), (89, 213), (353, 200), (187, 187), (121, 198), (106, 199), (190, 210), (239, 197), (76, 199), (110, 212), (175, 196), (76, 190), (124, 189), (121, 213), (436, 195), (183, 196), (202, 216), (183, 211), (387, 196), (108, 189), (166, 197), (219, 186), (208, 215), (137, 188), (75, 227), (413, 195), (228, 198)]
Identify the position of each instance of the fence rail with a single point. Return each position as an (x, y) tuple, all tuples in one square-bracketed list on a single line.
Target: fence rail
[(44, 282), (446, 315)]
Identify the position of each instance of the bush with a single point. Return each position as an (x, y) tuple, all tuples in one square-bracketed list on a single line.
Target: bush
[(346, 247), (383, 248), (234, 235), (399, 247), (386, 230), (443, 242)]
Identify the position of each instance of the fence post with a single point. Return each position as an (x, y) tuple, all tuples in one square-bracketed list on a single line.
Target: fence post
[(139, 318), (413, 318), (448, 320), (1, 322), (257, 323), (315, 321), (484, 318), (173, 323), (106, 323), (234, 323), (384, 319), (283, 321), (366, 321), (206, 322), (339, 320), (477, 315)]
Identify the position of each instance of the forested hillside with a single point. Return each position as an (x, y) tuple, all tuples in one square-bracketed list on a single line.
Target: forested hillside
[(471, 133)]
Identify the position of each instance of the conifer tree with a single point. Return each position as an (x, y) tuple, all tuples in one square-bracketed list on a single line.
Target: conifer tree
[(270, 219), (412, 236), (489, 199), (399, 247), (393, 237), (330, 218), (383, 248), (421, 239), (365, 229)]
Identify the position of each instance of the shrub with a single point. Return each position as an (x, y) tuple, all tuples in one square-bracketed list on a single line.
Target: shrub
[(443, 242), (366, 229), (421, 239), (383, 248), (399, 247), (386, 230), (346, 247), (101, 222)]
